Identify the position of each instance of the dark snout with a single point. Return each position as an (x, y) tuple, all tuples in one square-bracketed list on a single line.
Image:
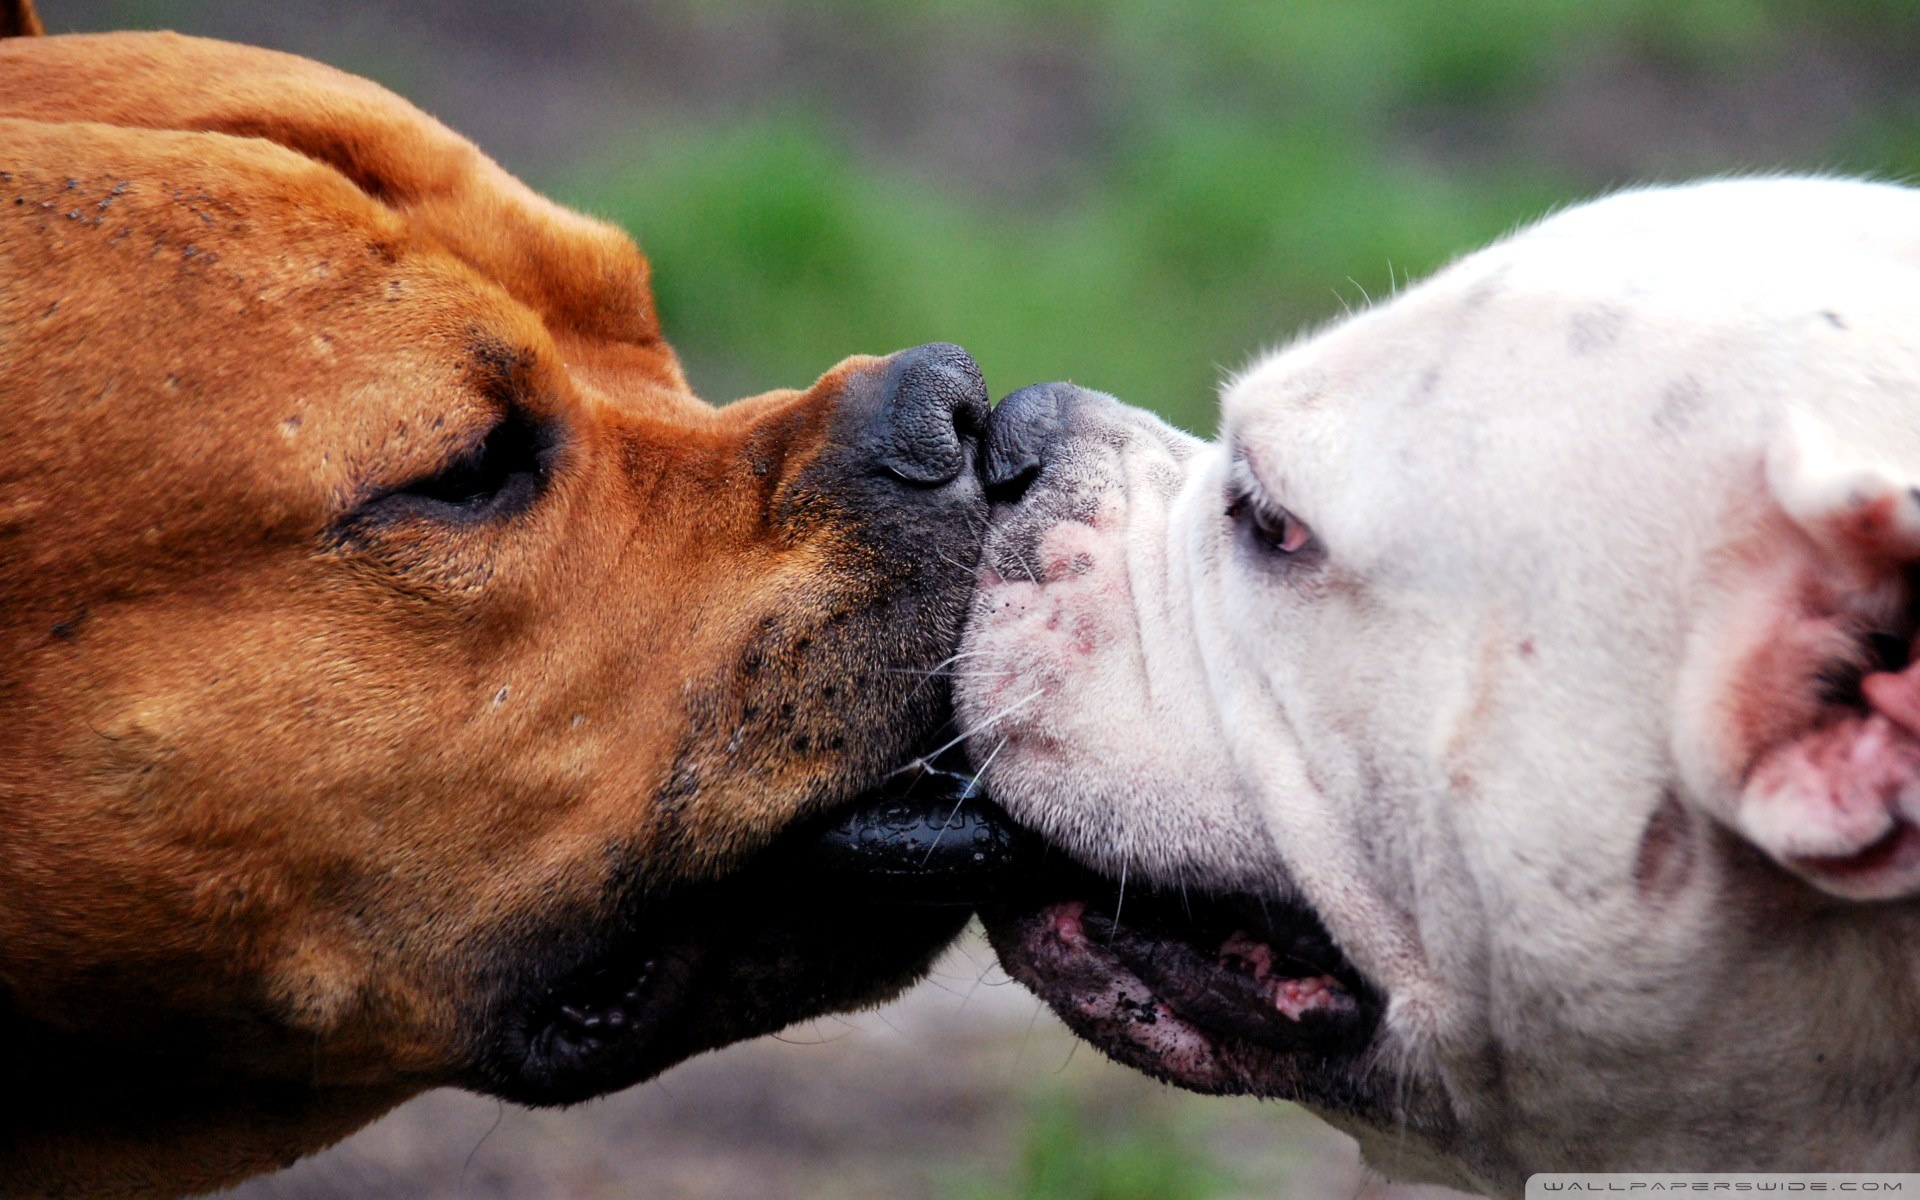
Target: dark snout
[(1028, 430), (915, 422), (932, 410), (911, 439), (901, 464)]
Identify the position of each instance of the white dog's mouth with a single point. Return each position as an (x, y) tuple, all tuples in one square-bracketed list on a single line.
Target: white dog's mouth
[(1227, 995)]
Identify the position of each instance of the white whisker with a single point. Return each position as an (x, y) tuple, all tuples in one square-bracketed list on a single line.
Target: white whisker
[(981, 772), (941, 666), (945, 825), (1073, 1048), (966, 794), (953, 562), (977, 981), (1033, 576), (1026, 1039), (923, 763)]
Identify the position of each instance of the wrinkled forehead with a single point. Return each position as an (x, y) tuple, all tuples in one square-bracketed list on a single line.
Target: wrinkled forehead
[(1653, 325), (1553, 387)]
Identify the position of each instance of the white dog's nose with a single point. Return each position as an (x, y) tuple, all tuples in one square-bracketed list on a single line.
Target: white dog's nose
[(1020, 432)]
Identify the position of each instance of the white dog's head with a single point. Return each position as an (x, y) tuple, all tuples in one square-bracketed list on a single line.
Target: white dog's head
[(1517, 695)]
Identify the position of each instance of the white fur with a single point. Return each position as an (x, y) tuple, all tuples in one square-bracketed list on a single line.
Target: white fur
[(1565, 490)]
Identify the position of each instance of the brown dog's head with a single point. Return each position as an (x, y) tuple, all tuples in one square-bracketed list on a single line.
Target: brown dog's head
[(403, 671)]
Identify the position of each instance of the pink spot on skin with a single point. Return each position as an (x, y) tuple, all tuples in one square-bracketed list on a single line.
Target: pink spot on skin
[(1068, 551), (1838, 805), (1298, 997), (1085, 633), (1066, 562), (1868, 521), (1248, 954), (1898, 696), (1067, 925)]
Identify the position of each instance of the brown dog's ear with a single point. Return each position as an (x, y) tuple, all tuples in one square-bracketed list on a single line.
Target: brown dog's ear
[(17, 19)]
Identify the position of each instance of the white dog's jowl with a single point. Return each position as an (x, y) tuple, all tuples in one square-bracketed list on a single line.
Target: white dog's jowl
[(1507, 730)]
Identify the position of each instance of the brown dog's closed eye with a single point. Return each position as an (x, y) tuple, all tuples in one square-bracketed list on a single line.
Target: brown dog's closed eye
[(405, 674)]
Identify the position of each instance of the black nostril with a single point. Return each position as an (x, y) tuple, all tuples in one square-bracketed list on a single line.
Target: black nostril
[(1018, 436), (933, 406)]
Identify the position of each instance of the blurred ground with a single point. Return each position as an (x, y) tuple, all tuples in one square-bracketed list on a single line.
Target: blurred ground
[(1134, 194), (962, 1090)]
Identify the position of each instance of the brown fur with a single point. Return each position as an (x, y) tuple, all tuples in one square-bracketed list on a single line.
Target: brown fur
[(17, 19), (278, 786)]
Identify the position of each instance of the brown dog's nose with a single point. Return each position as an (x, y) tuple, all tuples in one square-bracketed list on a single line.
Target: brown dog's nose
[(932, 411)]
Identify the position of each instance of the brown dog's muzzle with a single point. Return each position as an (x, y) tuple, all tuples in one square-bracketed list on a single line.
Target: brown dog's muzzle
[(715, 924), (408, 680)]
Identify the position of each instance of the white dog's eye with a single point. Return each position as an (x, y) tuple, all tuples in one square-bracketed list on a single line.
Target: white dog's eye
[(1271, 527)]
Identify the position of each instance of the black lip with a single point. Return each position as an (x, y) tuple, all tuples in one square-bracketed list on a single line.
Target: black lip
[(1155, 957), (839, 911), (929, 838), (559, 1041), (739, 960), (1171, 946)]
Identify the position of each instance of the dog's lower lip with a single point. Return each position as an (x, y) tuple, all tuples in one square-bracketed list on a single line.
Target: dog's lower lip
[(1218, 994), (1209, 984), (650, 983), (588, 1024), (588, 1015)]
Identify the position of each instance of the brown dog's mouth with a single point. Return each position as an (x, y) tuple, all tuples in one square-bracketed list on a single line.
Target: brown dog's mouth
[(839, 912), (596, 1019), (1232, 994)]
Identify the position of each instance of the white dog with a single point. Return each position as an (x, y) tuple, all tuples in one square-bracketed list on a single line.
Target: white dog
[(1533, 649)]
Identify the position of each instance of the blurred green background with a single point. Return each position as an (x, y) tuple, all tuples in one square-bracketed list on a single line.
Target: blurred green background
[(1138, 195), (1240, 169)]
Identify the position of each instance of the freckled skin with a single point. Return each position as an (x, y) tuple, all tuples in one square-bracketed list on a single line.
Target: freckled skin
[(292, 796)]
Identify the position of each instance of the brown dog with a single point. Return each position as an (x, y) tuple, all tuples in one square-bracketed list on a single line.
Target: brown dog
[(400, 670)]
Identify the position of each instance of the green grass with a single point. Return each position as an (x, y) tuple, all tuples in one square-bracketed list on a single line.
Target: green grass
[(776, 252), (1072, 1151), (1254, 183)]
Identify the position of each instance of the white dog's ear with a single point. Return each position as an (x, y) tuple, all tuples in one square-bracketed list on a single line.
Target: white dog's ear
[(1865, 514), (1839, 805)]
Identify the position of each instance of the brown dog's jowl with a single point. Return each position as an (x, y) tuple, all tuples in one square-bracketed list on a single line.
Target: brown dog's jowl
[(403, 671)]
